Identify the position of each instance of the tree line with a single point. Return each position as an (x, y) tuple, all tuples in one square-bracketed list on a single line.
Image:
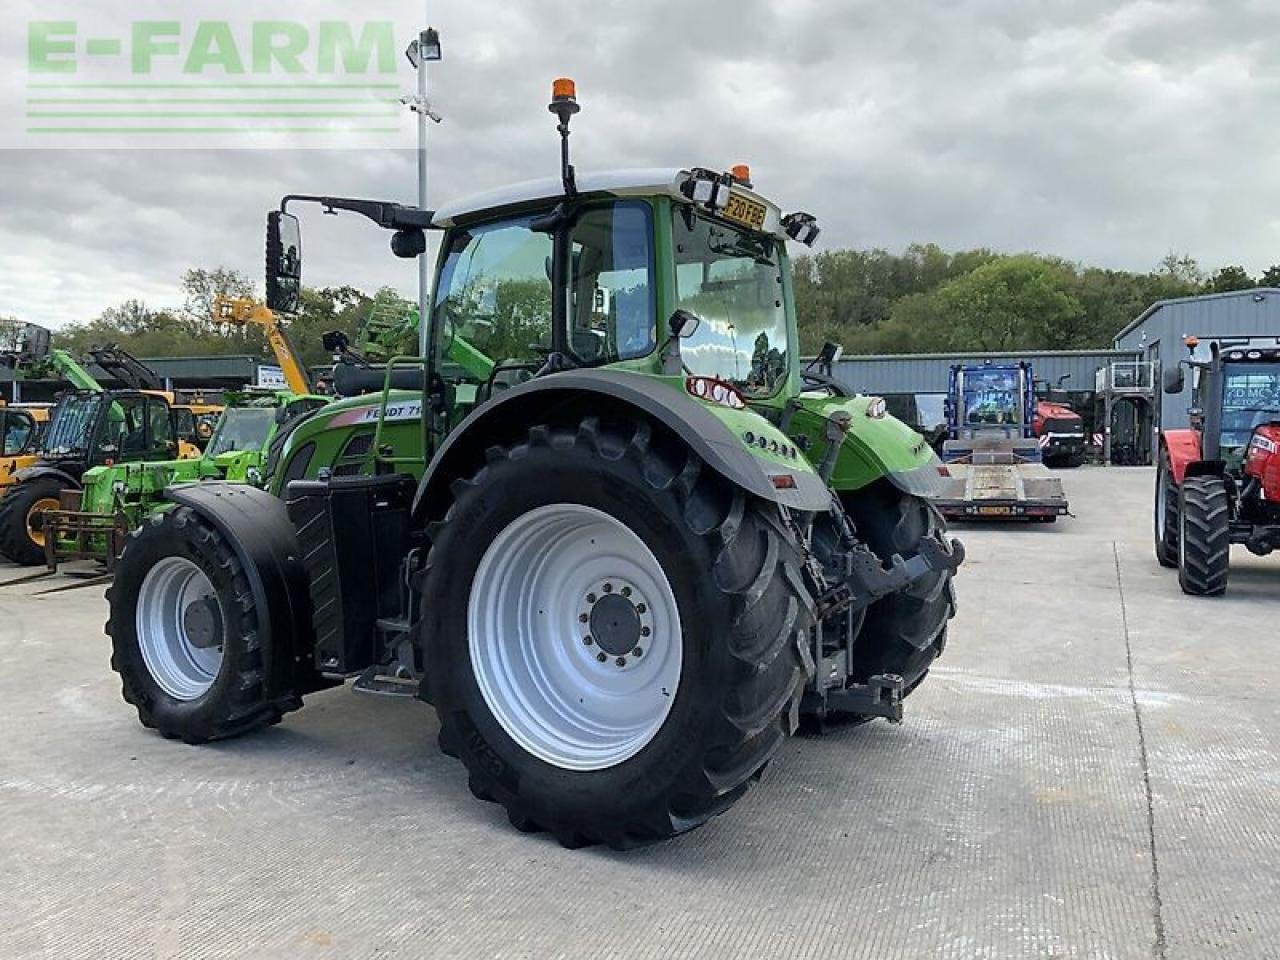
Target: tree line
[(928, 300), (924, 299)]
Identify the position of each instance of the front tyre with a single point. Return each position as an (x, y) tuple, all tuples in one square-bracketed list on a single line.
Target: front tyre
[(1165, 516), (184, 633), (613, 634), (21, 532), (1204, 536)]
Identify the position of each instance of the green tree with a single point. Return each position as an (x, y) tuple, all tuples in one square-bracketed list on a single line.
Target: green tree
[(1230, 278)]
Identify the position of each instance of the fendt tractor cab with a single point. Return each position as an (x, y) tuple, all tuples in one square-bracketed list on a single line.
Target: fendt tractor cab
[(994, 459), (642, 547), (1218, 483), (1058, 429)]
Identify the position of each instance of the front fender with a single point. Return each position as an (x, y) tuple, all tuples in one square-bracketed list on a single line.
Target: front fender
[(34, 473), (740, 445), (257, 526), (1183, 447), (874, 446)]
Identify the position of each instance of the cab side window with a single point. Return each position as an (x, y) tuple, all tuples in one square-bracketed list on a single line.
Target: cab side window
[(494, 294), (19, 429), (161, 439)]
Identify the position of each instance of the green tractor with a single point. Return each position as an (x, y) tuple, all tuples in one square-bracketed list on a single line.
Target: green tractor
[(114, 499), (645, 543)]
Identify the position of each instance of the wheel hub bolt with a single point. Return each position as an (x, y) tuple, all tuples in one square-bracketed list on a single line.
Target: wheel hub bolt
[(644, 631), (621, 661), (641, 608), (608, 588), (586, 641), (637, 652), (601, 657), (583, 617), (626, 591), (591, 598)]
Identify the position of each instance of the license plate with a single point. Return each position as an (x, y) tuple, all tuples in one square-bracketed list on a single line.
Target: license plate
[(746, 212), (995, 511)]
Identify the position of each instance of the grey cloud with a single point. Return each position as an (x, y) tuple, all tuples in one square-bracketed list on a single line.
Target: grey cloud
[(1105, 132)]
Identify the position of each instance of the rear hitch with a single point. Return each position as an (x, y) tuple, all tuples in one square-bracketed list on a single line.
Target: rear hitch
[(864, 580), (880, 696)]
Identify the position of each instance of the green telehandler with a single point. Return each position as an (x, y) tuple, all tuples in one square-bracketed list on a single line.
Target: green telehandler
[(623, 557), (89, 427)]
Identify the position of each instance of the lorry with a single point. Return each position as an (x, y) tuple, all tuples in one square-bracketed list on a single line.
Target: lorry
[(994, 460), (1218, 481), (630, 552)]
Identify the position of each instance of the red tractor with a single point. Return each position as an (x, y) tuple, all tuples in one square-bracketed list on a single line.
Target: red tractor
[(1218, 483), (1060, 432)]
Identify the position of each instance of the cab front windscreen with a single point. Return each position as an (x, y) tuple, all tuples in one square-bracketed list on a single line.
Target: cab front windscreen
[(1250, 397)]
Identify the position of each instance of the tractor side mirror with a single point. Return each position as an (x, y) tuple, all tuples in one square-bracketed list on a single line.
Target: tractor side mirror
[(1173, 379), (284, 262), (684, 324), (409, 243)]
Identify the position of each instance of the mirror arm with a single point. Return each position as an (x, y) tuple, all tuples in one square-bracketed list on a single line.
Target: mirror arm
[(388, 215)]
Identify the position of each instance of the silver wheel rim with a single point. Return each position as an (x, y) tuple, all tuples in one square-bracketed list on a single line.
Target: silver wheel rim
[(184, 665), (550, 581)]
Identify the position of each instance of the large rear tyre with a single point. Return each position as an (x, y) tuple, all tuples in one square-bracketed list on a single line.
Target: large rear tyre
[(906, 631), (21, 535), (184, 633), (1165, 517), (614, 634), (1204, 536)]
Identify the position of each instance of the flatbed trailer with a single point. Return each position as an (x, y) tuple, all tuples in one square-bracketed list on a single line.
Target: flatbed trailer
[(994, 462), (1001, 480)]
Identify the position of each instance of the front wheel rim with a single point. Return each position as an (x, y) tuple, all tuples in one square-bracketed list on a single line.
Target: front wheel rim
[(180, 634), (43, 505), (575, 637)]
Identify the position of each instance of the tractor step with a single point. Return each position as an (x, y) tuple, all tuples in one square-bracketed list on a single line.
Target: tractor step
[(373, 682)]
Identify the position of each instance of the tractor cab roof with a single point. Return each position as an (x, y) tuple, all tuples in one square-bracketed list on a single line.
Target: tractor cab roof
[(638, 182)]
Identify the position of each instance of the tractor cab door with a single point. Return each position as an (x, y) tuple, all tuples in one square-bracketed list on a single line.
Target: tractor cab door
[(135, 427)]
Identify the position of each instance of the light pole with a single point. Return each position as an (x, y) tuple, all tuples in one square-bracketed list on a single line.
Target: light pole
[(420, 52)]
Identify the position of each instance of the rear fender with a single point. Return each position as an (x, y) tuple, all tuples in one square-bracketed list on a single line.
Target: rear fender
[(256, 525), (716, 434), (1183, 447)]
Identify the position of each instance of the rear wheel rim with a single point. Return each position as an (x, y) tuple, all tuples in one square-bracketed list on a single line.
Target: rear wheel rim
[(179, 621), (575, 637)]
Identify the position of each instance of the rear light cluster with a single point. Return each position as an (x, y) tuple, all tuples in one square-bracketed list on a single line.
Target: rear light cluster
[(1263, 460), (715, 390)]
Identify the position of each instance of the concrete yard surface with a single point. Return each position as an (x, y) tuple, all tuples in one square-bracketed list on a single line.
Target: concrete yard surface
[(1092, 770)]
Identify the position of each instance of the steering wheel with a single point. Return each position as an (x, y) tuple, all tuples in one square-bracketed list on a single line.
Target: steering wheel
[(824, 382)]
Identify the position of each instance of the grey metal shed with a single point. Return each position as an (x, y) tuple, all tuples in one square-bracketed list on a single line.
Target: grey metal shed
[(1158, 333)]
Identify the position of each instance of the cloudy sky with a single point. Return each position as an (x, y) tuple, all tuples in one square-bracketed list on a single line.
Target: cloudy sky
[(1108, 132)]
